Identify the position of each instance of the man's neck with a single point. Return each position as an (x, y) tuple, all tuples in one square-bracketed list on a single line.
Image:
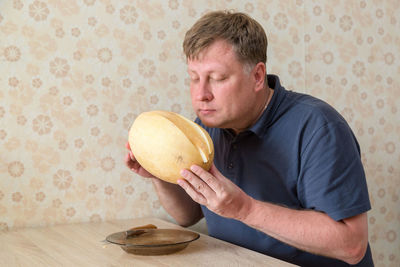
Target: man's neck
[(267, 99)]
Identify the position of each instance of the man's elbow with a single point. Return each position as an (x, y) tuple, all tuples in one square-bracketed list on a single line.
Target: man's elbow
[(356, 252), (187, 221)]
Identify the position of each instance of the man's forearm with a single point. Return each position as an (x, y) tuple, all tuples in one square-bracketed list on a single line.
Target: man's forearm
[(307, 230), (311, 231), (177, 203)]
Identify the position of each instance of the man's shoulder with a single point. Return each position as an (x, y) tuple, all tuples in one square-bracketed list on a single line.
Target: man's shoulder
[(311, 108), (295, 106)]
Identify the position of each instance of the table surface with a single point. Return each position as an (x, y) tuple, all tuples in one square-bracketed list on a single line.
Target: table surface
[(80, 245)]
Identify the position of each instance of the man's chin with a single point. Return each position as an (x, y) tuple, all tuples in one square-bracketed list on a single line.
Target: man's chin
[(210, 123)]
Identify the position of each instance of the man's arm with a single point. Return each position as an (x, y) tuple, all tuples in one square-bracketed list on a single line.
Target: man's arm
[(173, 198), (312, 231), (177, 203), (307, 230)]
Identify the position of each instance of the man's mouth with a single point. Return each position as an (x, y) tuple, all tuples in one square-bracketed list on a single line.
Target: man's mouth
[(206, 111)]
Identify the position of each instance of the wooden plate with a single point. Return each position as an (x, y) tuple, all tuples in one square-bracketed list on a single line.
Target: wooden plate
[(154, 241)]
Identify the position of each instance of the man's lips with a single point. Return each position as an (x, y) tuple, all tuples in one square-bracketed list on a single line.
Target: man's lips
[(206, 111)]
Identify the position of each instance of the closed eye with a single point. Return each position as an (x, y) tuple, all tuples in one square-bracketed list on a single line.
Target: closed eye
[(218, 79)]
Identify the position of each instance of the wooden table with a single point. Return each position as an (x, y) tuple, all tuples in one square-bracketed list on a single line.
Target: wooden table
[(79, 245)]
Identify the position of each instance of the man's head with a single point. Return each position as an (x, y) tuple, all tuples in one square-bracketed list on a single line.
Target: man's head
[(226, 54), (245, 34)]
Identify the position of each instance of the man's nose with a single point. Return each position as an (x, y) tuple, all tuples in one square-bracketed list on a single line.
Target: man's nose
[(203, 91)]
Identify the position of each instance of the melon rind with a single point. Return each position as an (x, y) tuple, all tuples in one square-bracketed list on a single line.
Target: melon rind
[(164, 143)]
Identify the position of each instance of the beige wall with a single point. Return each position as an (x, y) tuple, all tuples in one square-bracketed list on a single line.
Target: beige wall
[(74, 74)]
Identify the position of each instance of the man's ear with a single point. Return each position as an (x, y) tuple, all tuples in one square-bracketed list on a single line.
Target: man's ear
[(259, 73)]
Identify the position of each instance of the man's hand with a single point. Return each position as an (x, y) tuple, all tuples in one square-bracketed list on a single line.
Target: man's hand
[(134, 165), (173, 198), (216, 192)]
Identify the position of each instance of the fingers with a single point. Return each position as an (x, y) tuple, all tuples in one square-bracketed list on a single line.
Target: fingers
[(129, 162), (127, 145), (198, 181), (129, 159), (134, 165), (194, 194), (132, 156), (214, 171), (209, 177)]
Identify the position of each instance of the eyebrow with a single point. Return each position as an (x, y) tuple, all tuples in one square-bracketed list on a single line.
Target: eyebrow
[(208, 72)]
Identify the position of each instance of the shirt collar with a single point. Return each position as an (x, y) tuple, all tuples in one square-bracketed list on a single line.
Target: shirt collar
[(266, 118)]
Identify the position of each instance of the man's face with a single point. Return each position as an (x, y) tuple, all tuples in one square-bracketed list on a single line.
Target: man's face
[(221, 88)]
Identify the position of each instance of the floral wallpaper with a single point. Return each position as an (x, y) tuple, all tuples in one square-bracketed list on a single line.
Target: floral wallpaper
[(76, 73)]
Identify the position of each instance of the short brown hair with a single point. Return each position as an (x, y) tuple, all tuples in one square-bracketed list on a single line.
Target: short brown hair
[(245, 34)]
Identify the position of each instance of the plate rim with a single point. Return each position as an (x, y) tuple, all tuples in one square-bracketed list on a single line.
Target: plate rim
[(197, 236)]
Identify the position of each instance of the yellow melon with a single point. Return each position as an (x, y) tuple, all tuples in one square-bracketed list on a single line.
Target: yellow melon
[(165, 142)]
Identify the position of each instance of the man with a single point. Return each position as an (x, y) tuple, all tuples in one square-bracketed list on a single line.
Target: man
[(288, 179)]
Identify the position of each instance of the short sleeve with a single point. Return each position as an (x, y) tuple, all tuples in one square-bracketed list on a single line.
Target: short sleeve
[(332, 178)]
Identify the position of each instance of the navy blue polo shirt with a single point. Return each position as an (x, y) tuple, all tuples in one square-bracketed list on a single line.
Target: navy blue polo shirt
[(301, 153)]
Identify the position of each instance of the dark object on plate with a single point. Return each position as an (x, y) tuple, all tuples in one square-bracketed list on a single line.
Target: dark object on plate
[(138, 230), (153, 241)]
